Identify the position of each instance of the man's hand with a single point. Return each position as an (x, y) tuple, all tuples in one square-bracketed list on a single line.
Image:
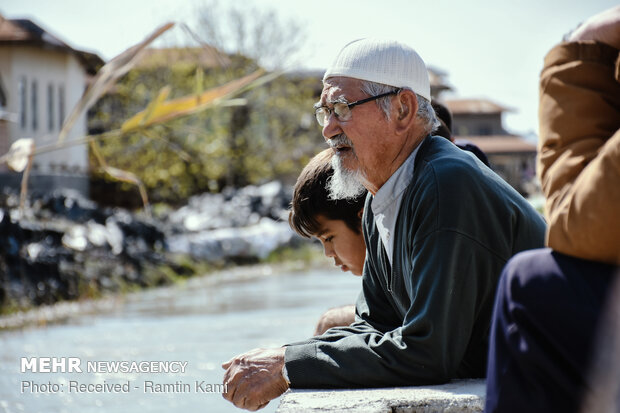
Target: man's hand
[(254, 378)]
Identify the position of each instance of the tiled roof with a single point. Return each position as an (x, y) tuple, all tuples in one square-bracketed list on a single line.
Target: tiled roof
[(466, 106), (26, 32), (500, 144), (9, 31)]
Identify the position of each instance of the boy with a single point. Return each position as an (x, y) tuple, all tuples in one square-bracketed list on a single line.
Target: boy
[(335, 223)]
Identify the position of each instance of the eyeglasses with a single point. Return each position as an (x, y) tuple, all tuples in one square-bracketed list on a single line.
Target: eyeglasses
[(342, 110)]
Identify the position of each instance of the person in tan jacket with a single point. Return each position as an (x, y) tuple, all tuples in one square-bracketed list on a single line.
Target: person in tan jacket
[(579, 150), (551, 302)]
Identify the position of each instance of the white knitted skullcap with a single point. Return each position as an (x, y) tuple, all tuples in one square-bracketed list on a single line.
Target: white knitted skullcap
[(382, 61)]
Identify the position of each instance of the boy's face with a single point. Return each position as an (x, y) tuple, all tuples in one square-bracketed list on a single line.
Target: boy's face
[(346, 246)]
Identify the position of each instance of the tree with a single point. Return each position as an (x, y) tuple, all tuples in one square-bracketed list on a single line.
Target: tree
[(270, 135), (244, 30)]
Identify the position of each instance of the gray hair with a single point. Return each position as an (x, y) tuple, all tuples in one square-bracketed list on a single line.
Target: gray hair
[(425, 111)]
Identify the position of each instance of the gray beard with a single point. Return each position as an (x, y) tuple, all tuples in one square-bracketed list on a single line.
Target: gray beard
[(344, 184)]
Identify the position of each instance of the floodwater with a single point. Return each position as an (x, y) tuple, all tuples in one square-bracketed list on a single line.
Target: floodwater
[(202, 322)]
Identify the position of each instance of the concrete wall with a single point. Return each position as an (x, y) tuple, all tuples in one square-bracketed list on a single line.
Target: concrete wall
[(458, 396), (62, 71)]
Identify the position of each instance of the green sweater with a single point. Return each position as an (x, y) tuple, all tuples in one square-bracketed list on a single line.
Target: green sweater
[(426, 320)]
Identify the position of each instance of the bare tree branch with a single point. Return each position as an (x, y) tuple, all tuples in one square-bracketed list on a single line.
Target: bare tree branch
[(256, 33)]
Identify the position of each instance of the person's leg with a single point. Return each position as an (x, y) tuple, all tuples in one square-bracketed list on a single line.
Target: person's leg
[(544, 322)]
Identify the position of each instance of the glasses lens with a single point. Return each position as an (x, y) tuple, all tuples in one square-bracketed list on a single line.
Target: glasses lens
[(342, 111), (320, 114)]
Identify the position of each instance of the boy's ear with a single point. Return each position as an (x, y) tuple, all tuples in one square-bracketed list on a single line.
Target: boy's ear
[(360, 213)]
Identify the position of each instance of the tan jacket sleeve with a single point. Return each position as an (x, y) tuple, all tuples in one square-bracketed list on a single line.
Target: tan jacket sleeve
[(579, 149)]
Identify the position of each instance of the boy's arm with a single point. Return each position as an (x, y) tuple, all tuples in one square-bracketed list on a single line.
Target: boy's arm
[(335, 317)]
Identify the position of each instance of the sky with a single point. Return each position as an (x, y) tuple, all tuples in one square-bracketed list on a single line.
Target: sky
[(488, 49)]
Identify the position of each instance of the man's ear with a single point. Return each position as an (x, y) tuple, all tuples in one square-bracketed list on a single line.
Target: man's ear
[(406, 107), (403, 110), (360, 213)]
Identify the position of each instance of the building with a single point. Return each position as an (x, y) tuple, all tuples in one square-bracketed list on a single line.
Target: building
[(438, 81), (479, 121), (476, 117), (41, 79)]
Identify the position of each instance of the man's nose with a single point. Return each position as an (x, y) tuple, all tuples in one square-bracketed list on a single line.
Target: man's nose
[(331, 127)]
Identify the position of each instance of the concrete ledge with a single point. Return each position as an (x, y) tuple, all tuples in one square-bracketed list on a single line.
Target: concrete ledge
[(456, 396)]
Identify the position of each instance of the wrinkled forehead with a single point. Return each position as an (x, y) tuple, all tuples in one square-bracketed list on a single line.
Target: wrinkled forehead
[(335, 88)]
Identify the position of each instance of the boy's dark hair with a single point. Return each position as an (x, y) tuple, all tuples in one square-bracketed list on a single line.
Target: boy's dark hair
[(311, 198), (445, 120)]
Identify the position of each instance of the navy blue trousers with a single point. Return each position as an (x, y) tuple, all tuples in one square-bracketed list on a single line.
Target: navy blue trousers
[(547, 309)]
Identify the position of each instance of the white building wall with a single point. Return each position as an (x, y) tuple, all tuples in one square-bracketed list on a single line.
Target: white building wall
[(5, 125), (59, 69), (74, 91)]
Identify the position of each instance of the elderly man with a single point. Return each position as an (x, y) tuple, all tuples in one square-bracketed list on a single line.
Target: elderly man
[(438, 226)]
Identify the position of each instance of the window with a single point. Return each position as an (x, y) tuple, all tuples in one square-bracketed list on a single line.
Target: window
[(484, 130), (34, 105), (61, 105), (462, 130), (50, 107), (23, 102)]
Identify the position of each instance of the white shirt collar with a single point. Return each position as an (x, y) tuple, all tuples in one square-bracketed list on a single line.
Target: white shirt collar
[(386, 202)]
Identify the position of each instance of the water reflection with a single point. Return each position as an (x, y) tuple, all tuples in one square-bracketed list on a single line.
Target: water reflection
[(204, 322)]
